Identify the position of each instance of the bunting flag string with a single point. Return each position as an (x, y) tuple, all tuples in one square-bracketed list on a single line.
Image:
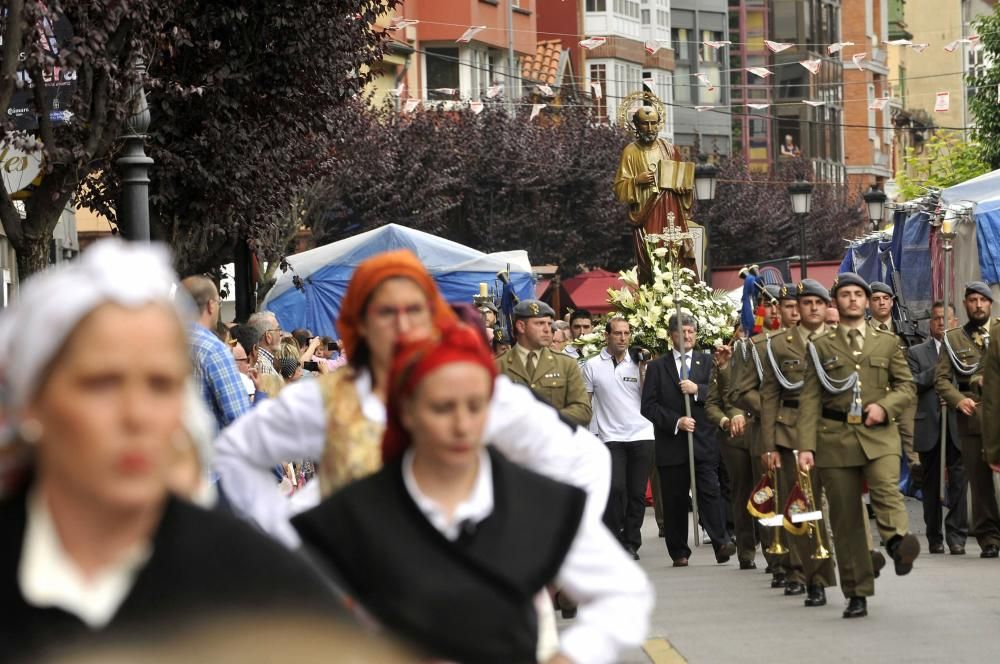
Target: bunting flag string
[(535, 110), (813, 103), (878, 104), (596, 87), (758, 107), (593, 42), (777, 47), (702, 109), (469, 34), (857, 58), (476, 107), (411, 105), (838, 47), (652, 47), (704, 79), (546, 90), (400, 23), (762, 72), (716, 44), (812, 65)]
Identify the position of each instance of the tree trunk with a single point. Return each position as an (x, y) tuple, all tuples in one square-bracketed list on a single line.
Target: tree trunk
[(32, 255)]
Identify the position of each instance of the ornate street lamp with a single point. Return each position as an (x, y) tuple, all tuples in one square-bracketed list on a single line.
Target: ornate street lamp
[(705, 176), (875, 200), (800, 193), (134, 163)]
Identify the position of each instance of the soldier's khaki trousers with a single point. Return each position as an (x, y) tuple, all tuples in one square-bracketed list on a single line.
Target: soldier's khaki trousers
[(984, 523), (802, 568), (847, 517), (777, 563), (743, 474)]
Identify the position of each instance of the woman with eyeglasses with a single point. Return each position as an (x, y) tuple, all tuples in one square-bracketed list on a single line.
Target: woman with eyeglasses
[(94, 541), (448, 544)]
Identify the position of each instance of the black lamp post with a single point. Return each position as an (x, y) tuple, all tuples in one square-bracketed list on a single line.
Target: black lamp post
[(875, 200), (134, 164), (705, 176), (800, 192)]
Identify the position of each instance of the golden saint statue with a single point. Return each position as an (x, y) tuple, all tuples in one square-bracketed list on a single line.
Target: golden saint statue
[(653, 180)]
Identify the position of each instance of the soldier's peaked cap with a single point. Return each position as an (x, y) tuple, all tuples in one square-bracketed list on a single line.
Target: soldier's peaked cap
[(880, 287), (813, 287), (979, 287), (788, 292), (533, 309), (850, 279)]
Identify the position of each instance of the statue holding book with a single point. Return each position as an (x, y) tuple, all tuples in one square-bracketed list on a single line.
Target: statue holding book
[(653, 181)]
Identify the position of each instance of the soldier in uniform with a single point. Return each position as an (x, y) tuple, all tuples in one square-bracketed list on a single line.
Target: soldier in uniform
[(959, 381), (856, 383), (882, 302), (991, 402), (742, 468), (553, 377), (745, 385), (784, 362)]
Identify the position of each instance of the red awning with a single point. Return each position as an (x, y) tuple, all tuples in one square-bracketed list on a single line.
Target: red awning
[(541, 286), (589, 290)]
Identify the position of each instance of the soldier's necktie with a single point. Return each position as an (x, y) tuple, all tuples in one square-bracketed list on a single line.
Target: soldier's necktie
[(854, 337), (531, 364)]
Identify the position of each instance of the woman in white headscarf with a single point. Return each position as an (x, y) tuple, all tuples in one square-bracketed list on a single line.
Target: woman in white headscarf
[(94, 541)]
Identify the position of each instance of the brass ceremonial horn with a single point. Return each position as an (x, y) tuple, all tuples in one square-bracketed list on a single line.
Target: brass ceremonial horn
[(821, 552), (776, 548)]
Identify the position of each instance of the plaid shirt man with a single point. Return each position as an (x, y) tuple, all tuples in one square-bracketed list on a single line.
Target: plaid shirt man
[(265, 362), (215, 371)]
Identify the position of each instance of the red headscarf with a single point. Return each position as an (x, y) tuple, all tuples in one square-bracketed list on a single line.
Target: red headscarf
[(413, 360), (368, 276)]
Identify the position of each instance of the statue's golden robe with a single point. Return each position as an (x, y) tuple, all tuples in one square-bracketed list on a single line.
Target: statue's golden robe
[(649, 204)]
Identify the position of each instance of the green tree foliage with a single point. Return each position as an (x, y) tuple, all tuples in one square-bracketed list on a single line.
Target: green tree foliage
[(945, 160), (984, 103)]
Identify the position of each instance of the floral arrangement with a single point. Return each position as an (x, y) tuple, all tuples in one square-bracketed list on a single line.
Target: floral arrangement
[(648, 308), (589, 345)]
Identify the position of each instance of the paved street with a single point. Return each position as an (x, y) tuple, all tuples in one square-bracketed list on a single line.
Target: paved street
[(946, 610)]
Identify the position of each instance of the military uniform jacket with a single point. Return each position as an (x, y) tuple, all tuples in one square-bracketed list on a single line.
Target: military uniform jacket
[(885, 379), (991, 397), (779, 409), (952, 385), (718, 407), (746, 383), (557, 381)]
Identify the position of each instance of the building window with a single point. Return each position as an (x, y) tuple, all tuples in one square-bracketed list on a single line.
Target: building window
[(662, 18), (442, 68), (679, 37), (596, 6), (645, 17), (599, 74), (629, 8)]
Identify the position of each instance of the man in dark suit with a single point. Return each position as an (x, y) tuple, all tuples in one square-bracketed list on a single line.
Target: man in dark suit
[(663, 405), (923, 359)]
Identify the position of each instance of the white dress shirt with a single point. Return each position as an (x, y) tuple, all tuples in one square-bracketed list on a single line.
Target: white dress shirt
[(293, 426), (616, 398), (48, 577), (614, 594)]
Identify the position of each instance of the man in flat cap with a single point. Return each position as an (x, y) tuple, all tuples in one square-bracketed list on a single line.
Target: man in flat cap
[(959, 381), (880, 305), (856, 384), (744, 393), (553, 377), (784, 362)]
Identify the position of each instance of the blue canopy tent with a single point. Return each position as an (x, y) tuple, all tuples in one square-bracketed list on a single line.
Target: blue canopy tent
[(977, 245), (309, 293)]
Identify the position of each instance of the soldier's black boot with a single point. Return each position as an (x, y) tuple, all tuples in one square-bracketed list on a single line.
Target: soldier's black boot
[(816, 596), (857, 607), (778, 581), (794, 588), (904, 550)]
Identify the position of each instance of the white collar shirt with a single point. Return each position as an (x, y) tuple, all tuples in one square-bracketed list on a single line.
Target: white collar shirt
[(937, 345), (48, 577), (472, 510), (617, 396)]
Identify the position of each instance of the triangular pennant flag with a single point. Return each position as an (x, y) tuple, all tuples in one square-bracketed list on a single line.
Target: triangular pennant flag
[(535, 110), (400, 23), (920, 48), (971, 39), (592, 42), (469, 34), (837, 47), (494, 90), (857, 58), (943, 102), (476, 107), (652, 47), (797, 503), (812, 65), (878, 104), (761, 501), (777, 47), (446, 91), (763, 72), (596, 87), (704, 79), (546, 90), (398, 91), (952, 45), (411, 105), (758, 107), (702, 109), (813, 103), (716, 44), (897, 42)]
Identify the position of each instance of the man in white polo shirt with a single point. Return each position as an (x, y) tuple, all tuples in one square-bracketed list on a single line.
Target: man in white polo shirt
[(613, 380)]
